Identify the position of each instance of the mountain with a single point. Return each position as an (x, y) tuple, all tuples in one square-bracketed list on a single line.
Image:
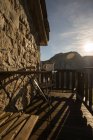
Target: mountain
[(88, 61), (70, 60)]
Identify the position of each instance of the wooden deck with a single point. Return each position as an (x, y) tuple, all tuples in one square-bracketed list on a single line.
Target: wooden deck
[(16, 126), (64, 121)]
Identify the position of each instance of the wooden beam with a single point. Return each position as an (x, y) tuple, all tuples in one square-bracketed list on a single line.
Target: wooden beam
[(39, 15), (40, 21)]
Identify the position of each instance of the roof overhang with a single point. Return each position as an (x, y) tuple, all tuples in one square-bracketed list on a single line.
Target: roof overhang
[(39, 15)]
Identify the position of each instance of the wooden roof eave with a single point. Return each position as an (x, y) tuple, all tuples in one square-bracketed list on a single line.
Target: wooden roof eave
[(41, 26)]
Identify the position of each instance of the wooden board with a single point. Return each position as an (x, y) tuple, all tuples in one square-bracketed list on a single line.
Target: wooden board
[(16, 126), (27, 129)]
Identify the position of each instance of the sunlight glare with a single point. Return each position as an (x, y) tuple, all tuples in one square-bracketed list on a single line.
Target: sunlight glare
[(88, 47)]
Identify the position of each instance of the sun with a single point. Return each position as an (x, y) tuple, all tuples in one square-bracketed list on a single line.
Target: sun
[(88, 47)]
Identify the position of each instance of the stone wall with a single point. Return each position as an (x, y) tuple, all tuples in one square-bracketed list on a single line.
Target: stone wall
[(18, 50), (18, 47)]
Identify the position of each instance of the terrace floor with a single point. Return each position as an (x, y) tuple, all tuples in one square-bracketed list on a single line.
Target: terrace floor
[(66, 120)]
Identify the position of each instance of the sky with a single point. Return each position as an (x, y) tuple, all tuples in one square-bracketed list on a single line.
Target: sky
[(71, 27)]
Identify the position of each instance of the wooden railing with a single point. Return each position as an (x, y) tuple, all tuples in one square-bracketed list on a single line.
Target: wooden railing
[(61, 79), (78, 81), (84, 88), (64, 79), (81, 80)]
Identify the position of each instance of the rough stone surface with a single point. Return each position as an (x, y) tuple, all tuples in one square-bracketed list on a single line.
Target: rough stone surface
[(18, 49)]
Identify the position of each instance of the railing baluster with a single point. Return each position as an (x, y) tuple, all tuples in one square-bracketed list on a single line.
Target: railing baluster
[(57, 80), (86, 88), (73, 80), (67, 80), (62, 79), (90, 90), (80, 86)]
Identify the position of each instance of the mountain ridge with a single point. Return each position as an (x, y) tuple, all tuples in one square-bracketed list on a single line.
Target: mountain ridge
[(69, 60)]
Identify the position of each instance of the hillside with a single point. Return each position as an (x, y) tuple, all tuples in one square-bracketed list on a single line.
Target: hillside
[(70, 60), (88, 61)]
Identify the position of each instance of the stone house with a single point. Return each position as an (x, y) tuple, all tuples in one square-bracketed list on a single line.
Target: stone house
[(24, 28)]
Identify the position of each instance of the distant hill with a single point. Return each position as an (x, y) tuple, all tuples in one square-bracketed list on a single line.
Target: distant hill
[(88, 61), (70, 60)]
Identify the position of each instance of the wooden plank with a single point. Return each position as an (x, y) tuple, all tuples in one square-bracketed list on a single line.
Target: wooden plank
[(4, 118), (14, 132), (5, 114), (2, 113), (16, 127), (5, 127), (27, 129), (20, 119), (14, 115)]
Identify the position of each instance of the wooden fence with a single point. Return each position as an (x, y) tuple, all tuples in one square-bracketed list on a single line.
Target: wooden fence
[(84, 88), (81, 80)]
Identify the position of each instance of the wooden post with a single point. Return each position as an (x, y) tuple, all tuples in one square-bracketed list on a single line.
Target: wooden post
[(57, 80), (86, 87), (90, 90), (67, 80), (80, 87), (73, 80), (62, 79)]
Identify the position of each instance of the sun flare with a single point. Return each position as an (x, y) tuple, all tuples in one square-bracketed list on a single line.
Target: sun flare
[(88, 47)]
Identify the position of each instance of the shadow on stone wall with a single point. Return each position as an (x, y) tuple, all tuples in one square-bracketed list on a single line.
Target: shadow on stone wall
[(15, 92)]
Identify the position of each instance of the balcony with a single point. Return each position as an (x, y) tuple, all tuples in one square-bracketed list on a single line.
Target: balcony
[(62, 99)]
